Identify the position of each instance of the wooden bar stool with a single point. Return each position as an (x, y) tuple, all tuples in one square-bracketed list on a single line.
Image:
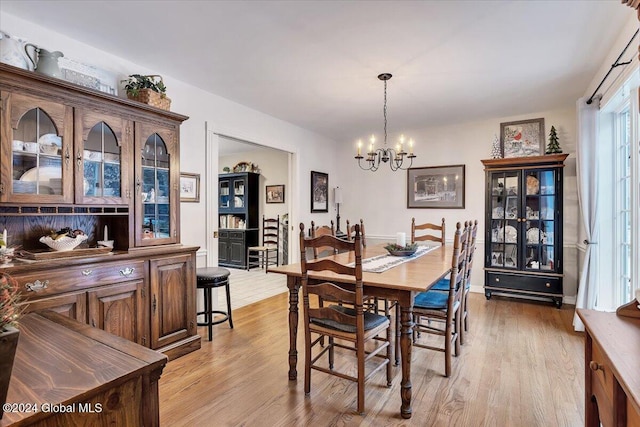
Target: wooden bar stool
[(207, 279)]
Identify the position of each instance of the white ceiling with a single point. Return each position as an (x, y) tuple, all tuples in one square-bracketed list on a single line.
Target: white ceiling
[(315, 63)]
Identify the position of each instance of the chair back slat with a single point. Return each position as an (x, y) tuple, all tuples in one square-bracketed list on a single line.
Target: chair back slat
[(439, 237), (321, 231), (336, 293), (271, 231), (351, 232)]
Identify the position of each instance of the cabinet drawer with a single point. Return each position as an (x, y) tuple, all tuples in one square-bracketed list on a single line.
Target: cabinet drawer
[(546, 285), (601, 372), (236, 235), (56, 281)]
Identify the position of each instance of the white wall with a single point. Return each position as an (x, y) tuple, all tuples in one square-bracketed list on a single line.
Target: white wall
[(385, 192), (208, 111)]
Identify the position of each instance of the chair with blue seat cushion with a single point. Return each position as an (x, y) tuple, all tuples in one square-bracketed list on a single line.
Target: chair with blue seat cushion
[(438, 313), (443, 284), (346, 324), (471, 248)]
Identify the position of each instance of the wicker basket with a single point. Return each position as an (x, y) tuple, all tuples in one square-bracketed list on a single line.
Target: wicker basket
[(152, 98)]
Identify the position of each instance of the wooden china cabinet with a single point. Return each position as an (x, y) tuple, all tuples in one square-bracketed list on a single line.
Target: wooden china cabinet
[(78, 158)]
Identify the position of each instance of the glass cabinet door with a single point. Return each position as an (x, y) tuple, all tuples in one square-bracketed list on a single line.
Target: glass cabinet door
[(505, 214), (103, 159), (157, 193), (40, 163), (224, 193), (540, 219), (155, 189), (238, 193)]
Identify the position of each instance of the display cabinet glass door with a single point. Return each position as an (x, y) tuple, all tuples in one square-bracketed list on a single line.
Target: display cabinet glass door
[(238, 193), (504, 239), (523, 219), (540, 219), (156, 194), (224, 193), (39, 168)]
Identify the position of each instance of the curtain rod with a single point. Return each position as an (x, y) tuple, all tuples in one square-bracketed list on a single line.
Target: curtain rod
[(615, 64)]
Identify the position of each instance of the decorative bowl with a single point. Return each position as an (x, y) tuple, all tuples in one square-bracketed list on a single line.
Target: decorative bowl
[(397, 250), (65, 243)]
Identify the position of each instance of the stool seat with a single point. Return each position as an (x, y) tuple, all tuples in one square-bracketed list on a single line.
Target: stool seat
[(208, 278)]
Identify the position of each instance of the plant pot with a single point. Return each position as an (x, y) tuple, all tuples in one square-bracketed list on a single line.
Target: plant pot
[(8, 344), (150, 97)]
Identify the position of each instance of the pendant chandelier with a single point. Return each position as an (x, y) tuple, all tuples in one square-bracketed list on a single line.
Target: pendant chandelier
[(374, 156)]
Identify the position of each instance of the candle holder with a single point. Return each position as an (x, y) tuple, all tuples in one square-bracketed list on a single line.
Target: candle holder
[(105, 243)]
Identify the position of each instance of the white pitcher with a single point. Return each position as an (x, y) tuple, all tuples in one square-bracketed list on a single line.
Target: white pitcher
[(47, 62), (12, 52)]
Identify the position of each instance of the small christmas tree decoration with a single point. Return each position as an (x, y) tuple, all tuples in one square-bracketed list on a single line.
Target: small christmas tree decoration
[(553, 147), (496, 151)]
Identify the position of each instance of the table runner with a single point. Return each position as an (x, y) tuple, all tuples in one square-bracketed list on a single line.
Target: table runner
[(380, 263)]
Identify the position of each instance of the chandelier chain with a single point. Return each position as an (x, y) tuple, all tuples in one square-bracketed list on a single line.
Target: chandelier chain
[(385, 113)]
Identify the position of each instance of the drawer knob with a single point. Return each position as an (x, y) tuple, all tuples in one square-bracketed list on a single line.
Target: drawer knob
[(548, 285), (37, 285), (127, 271), (497, 279), (594, 366), (87, 272)]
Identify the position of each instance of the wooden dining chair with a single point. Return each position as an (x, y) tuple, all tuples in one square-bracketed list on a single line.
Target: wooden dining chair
[(321, 231), (261, 256), (432, 230), (443, 284), (351, 232), (348, 323), (471, 248), (439, 313)]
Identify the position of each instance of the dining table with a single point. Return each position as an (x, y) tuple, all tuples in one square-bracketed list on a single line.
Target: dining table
[(399, 283)]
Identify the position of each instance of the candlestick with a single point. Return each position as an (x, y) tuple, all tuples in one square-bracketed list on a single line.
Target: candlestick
[(106, 234), (4, 238), (401, 239), (359, 147)]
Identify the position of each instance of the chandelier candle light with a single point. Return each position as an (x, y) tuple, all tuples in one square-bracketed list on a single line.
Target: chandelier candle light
[(384, 154)]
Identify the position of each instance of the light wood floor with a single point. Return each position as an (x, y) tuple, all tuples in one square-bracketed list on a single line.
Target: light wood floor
[(522, 365)]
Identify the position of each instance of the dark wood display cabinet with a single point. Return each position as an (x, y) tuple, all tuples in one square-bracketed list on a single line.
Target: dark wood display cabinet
[(238, 211), (523, 226), (78, 158)]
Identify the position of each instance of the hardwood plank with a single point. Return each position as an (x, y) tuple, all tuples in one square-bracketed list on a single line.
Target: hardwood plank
[(521, 366)]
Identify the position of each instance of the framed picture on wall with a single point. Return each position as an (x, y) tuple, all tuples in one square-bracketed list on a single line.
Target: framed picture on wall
[(319, 192), (275, 194), (189, 187), (523, 138), (440, 187)]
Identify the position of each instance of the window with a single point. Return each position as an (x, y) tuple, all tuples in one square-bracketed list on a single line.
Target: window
[(620, 208)]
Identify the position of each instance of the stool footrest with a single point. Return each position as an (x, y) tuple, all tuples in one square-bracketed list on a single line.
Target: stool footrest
[(214, 322)]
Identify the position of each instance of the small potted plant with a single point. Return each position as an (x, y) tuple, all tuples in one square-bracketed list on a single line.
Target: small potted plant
[(149, 89), (10, 311)]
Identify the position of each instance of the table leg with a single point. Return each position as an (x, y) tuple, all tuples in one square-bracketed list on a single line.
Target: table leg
[(293, 285), (406, 319)]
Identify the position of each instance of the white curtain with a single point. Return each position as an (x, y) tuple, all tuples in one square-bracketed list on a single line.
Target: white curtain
[(587, 170)]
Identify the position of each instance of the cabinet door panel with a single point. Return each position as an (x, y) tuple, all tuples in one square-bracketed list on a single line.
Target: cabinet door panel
[(172, 283), (72, 305), (104, 162), (157, 197), (37, 150), (119, 310)]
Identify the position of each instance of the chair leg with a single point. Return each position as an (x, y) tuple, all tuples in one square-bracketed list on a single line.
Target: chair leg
[(397, 331), (331, 354), (361, 355), (389, 351), (447, 350), (307, 364), (207, 308), (226, 287)]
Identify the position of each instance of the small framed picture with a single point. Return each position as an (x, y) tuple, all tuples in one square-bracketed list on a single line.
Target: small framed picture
[(189, 187), (275, 194), (440, 187), (523, 138), (319, 192)]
